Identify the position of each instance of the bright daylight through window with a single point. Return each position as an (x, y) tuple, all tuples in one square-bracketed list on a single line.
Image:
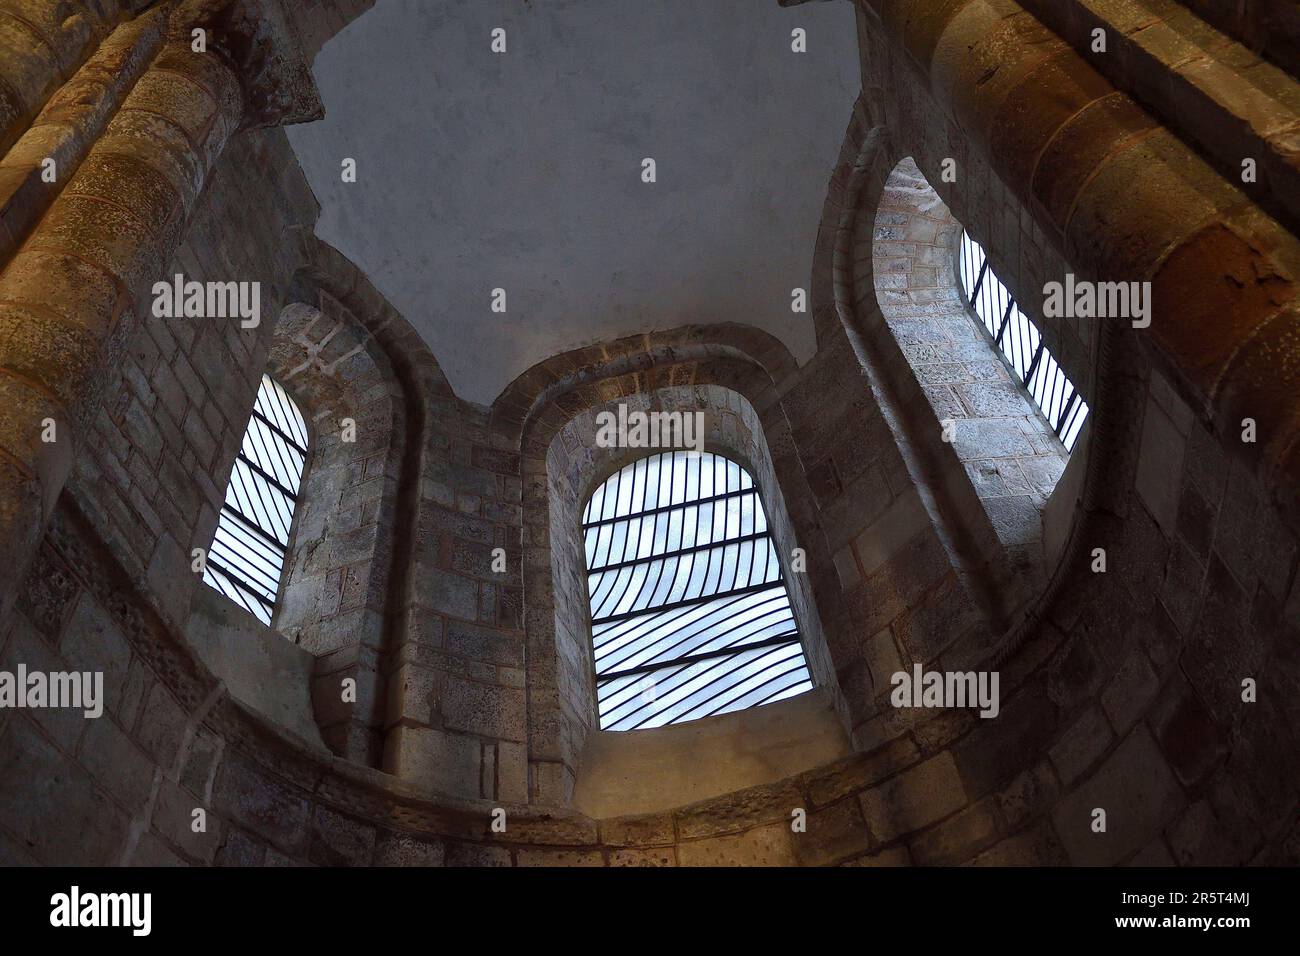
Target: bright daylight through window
[(1017, 338), (689, 608), (246, 559)]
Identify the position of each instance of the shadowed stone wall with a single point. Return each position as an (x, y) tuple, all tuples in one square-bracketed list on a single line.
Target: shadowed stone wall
[(1120, 688), (332, 599)]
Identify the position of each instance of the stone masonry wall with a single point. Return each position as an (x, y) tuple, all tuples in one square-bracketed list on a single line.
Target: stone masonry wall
[(154, 476), (461, 712), (1121, 688)]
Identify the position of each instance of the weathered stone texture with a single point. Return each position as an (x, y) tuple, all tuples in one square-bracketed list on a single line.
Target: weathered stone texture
[(1121, 689)]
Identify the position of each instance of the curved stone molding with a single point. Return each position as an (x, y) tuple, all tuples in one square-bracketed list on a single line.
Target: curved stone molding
[(562, 696), (68, 125), (332, 599), (114, 228), (350, 354), (254, 37), (527, 397)]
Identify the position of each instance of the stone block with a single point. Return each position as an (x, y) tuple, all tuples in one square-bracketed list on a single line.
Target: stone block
[(483, 709), (1081, 744), (401, 849), (833, 834), (449, 763), (997, 750), (914, 799), (173, 818), (975, 438), (1186, 730), (959, 837), (63, 725), (253, 799), (1197, 838), (1035, 846), (239, 849), (162, 726), (171, 580), (51, 806), (1129, 692), (527, 856), (1160, 465), (762, 846), (1139, 794), (477, 855), (638, 856), (122, 769), (642, 830), (153, 852), (338, 840)]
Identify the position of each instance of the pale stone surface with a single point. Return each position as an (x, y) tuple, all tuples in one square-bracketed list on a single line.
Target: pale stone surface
[(648, 770), (261, 668), (762, 846)]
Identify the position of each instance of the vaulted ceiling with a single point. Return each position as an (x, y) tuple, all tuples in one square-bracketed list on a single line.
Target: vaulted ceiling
[(522, 170)]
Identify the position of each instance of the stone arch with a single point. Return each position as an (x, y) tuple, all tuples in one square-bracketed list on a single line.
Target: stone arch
[(332, 596), (1002, 462), (344, 352), (324, 360), (1206, 246), (978, 605), (533, 394), (707, 364), (1000, 562)]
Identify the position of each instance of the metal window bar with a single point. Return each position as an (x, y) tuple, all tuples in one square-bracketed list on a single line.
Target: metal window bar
[(1006, 318), (246, 559), (984, 266), (634, 537), (725, 651), (731, 622), (1020, 343), (1070, 431), (1060, 426), (1033, 366), (705, 688), (689, 607)]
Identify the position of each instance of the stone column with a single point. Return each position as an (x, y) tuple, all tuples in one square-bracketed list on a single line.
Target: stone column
[(41, 45), (1127, 200), (69, 125), (70, 296)]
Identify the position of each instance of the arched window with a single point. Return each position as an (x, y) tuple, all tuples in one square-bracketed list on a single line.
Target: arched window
[(246, 559), (690, 615), (1021, 345)]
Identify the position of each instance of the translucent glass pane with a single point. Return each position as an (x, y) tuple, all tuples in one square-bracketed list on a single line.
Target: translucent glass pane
[(1018, 341), (246, 559), (687, 594)]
